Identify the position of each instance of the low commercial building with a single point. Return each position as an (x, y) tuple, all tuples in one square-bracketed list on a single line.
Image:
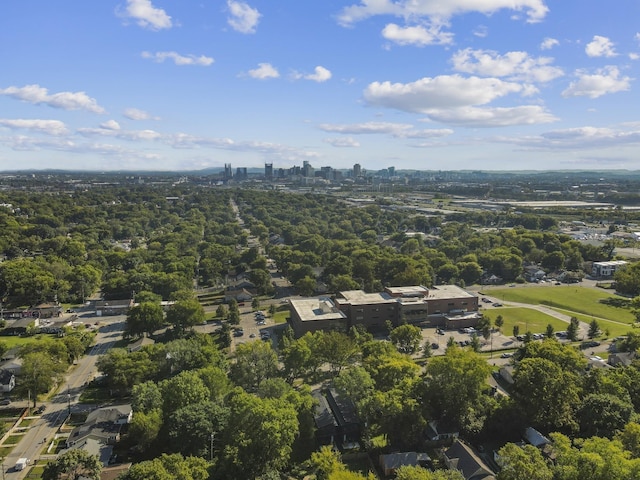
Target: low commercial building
[(313, 314), (446, 306)]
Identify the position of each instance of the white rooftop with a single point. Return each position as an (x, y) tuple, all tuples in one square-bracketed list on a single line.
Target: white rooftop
[(310, 309), (360, 297)]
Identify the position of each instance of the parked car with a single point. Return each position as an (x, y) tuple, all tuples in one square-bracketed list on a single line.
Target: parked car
[(5, 401), (497, 304)]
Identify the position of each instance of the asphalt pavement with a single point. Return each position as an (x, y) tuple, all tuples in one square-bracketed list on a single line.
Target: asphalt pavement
[(57, 409)]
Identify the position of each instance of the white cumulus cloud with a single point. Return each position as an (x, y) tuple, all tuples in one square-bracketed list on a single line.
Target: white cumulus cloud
[(535, 10), (50, 127), (444, 91), (137, 114), (417, 35), (604, 81), (548, 43), (513, 65), (600, 47), (493, 117), (264, 71), (178, 59), (397, 130), (66, 100), (344, 142), (320, 74), (146, 15), (243, 18), (454, 99), (110, 125), (131, 135)]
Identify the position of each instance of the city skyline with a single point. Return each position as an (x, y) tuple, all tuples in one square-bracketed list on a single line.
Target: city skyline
[(419, 85)]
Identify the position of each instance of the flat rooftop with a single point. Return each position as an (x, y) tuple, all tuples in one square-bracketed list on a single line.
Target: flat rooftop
[(310, 309), (448, 291), (360, 297), (411, 291)]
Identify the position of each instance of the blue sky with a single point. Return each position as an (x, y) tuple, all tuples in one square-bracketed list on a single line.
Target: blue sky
[(414, 84)]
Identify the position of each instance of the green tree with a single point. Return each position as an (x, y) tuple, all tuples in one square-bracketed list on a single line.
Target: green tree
[(594, 329), (40, 372), (475, 342), (573, 329), (305, 286), (335, 348), (186, 388), (255, 362), (168, 467), (259, 435), (547, 394), (549, 331), (516, 330), (499, 322), (406, 338), (522, 463), (123, 370), (355, 382), (74, 464), (326, 461), (185, 314), (190, 428), (255, 303), (221, 312), (630, 438), (603, 415), (145, 427), (296, 357), (146, 317), (145, 397), (453, 383), (420, 473)]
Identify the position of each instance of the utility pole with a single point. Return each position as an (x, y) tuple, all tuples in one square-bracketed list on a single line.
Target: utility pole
[(69, 398)]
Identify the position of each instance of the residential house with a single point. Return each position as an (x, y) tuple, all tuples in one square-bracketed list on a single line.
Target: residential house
[(535, 438), (606, 269), (440, 432), (463, 458), (533, 273), (622, 359), (391, 462), (240, 295), (336, 419), (100, 431)]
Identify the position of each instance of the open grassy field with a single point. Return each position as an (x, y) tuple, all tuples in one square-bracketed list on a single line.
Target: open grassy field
[(615, 329), (573, 298), (526, 318)]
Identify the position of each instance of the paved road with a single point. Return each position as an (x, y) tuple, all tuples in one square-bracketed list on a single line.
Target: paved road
[(57, 408)]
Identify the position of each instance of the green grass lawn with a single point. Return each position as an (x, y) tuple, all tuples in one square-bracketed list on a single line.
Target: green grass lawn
[(4, 451), (616, 329), (526, 318), (573, 298), (281, 317)]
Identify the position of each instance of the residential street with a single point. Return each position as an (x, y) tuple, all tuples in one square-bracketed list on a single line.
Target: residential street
[(57, 409)]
